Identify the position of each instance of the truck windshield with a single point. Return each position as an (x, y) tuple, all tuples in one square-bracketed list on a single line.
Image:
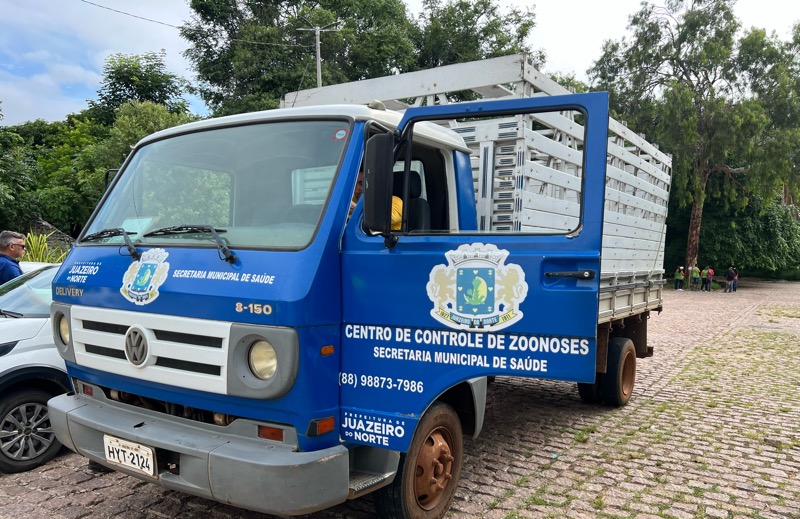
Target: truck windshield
[(259, 186)]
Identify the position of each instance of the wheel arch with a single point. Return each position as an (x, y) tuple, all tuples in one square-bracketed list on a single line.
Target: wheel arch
[(47, 379), (633, 327), (468, 399)]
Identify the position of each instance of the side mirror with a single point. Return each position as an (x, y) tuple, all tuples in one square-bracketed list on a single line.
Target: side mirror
[(378, 183)]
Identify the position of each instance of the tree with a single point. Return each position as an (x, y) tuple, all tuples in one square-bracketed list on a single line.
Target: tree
[(134, 121), (765, 235), (60, 193), (679, 77), (17, 169), (249, 54), (770, 69), (133, 77), (469, 30)]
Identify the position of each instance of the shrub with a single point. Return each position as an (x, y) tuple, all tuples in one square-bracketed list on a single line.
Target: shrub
[(39, 249)]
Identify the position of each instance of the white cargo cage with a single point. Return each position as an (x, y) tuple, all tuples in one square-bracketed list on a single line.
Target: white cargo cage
[(527, 169)]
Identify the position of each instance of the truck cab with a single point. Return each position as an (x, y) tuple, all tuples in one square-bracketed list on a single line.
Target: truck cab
[(234, 330)]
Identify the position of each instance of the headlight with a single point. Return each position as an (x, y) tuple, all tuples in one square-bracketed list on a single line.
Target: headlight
[(63, 328), (262, 359)]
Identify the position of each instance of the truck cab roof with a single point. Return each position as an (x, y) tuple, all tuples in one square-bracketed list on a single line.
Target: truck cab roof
[(423, 132)]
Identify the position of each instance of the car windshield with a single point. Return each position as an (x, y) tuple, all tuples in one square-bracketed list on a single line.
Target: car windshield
[(257, 186), (29, 294)]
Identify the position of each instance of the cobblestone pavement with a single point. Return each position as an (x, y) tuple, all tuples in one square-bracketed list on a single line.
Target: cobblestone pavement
[(713, 430)]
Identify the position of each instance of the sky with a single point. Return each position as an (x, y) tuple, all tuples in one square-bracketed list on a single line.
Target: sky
[(52, 51)]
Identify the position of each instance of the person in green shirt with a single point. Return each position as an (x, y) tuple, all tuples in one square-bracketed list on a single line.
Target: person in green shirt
[(679, 275), (695, 278), (704, 281)]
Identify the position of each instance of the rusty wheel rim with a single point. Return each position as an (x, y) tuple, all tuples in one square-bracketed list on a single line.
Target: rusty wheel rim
[(628, 374), (434, 468)]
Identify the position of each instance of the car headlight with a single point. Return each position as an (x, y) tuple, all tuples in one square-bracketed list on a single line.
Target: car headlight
[(262, 359), (63, 328)]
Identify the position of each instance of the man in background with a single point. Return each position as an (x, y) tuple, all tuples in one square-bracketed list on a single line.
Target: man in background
[(695, 277), (12, 248)]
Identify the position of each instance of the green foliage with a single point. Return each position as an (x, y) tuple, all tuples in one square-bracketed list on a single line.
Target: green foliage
[(38, 133), (765, 235), (56, 171), (134, 121), (570, 82), (62, 195), (38, 249), (469, 30), (248, 55), (716, 102), (133, 77), (17, 170)]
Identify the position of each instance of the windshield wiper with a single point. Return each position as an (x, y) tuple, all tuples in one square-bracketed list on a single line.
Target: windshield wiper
[(190, 229), (116, 231), (9, 313)]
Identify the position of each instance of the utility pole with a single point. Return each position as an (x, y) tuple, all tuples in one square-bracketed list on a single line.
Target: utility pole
[(317, 29)]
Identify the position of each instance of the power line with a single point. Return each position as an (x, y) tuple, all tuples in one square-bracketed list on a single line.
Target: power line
[(129, 14), (176, 27)]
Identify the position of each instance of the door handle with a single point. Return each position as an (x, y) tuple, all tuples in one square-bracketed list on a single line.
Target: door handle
[(578, 274)]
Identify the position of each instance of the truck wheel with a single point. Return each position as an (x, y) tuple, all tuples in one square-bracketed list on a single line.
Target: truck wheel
[(592, 393), (428, 475), (617, 384), (27, 439)]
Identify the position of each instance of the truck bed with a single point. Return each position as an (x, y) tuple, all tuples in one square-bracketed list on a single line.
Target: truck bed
[(527, 170), (538, 191)]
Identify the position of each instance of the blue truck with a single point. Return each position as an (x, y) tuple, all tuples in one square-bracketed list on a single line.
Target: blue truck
[(239, 325)]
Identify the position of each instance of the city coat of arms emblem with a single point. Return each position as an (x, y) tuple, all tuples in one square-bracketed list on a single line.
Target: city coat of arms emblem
[(476, 290), (143, 278)]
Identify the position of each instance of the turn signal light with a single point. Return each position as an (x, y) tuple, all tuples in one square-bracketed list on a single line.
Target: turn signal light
[(326, 350), (321, 426)]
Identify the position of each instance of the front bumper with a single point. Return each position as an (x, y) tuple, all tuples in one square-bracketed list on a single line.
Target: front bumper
[(237, 470)]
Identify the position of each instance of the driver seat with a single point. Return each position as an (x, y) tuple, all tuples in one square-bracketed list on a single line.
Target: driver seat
[(419, 212)]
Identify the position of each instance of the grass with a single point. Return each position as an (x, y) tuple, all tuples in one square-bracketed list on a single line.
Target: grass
[(791, 313), (584, 433)]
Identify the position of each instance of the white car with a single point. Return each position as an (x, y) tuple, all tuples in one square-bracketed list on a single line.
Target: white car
[(31, 370)]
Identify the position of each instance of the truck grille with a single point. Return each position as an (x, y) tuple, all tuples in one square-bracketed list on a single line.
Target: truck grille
[(184, 352)]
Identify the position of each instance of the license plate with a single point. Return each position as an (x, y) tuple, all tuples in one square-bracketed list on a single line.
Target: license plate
[(132, 455)]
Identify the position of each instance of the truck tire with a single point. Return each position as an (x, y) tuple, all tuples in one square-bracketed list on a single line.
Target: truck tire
[(27, 439), (617, 384), (592, 393), (428, 474)]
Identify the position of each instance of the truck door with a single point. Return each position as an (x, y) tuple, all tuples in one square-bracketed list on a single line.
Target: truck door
[(427, 308)]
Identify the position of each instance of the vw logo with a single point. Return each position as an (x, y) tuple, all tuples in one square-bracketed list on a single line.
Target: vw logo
[(136, 347)]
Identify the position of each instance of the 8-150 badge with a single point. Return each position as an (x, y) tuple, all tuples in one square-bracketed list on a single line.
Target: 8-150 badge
[(253, 308)]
